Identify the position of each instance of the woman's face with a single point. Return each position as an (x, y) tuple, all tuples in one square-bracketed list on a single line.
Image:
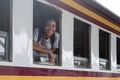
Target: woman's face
[(50, 28)]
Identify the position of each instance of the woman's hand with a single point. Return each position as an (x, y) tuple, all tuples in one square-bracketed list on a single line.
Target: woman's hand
[(36, 45), (51, 57), (51, 60)]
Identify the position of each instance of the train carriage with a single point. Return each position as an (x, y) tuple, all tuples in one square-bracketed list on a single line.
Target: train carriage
[(88, 48)]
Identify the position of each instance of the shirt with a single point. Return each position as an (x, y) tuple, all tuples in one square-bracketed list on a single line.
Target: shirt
[(46, 43)]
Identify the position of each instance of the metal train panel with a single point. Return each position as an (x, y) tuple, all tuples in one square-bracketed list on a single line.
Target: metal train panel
[(22, 66)]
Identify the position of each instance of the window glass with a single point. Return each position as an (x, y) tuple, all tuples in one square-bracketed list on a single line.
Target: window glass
[(118, 53), (104, 51), (46, 34), (5, 30), (81, 44)]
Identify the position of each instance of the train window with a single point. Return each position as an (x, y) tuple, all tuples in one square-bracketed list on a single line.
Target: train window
[(5, 30), (81, 44), (118, 53), (46, 34), (104, 59)]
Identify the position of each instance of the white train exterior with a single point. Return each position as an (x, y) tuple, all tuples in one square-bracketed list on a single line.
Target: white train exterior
[(20, 59)]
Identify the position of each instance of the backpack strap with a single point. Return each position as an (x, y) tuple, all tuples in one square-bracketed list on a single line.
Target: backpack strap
[(52, 38), (40, 34)]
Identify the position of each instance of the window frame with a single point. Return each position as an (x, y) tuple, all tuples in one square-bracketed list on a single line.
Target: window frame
[(85, 58), (117, 45), (106, 62), (9, 34), (59, 31)]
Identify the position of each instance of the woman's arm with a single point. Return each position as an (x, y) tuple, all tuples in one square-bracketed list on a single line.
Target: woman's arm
[(39, 48)]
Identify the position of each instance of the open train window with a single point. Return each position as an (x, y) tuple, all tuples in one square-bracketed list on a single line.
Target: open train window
[(81, 44), (118, 53), (46, 34), (5, 30), (104, 51)]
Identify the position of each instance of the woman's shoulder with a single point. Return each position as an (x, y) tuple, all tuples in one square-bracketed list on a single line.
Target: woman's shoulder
[(56, 34)]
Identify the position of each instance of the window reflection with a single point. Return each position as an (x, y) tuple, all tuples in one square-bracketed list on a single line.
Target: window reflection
[(5, 30)]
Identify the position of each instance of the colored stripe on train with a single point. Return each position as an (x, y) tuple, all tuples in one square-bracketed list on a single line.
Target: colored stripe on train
[(53, 78), (30, 71)]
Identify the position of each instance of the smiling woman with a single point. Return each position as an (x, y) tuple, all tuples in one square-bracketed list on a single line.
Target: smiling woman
[(45, 34)]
